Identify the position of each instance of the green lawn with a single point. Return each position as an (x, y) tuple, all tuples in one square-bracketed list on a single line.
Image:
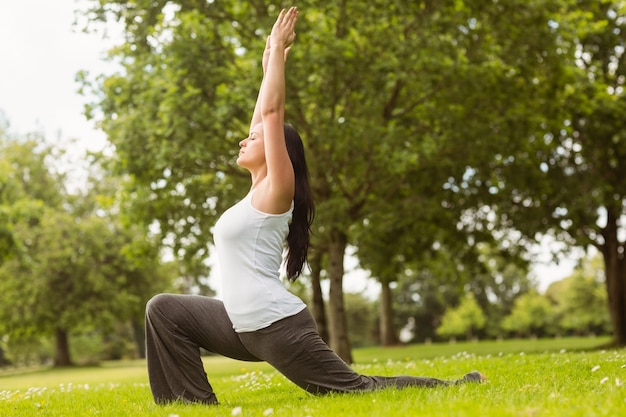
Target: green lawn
[(560, 377)]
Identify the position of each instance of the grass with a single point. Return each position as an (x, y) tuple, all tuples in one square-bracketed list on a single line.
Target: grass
[(560, 377)]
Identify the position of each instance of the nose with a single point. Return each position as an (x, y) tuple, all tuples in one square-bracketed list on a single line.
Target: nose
[(242, 142)]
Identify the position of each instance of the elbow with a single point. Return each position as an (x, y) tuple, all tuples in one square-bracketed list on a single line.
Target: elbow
[(272, 111), (272, 104)]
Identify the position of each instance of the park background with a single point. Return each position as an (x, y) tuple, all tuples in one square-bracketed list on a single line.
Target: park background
[(498, 115)]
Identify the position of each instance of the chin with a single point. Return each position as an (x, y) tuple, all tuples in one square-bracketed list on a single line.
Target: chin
[(240, 163)]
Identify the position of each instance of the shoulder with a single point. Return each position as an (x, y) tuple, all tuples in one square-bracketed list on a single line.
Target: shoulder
[(271, 200)]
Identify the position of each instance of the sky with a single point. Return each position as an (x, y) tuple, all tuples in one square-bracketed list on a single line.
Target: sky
[(41, 51), (40, 54)]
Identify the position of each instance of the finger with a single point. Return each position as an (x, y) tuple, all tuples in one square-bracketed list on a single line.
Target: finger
[(292, 13), (281, 16), (294, 18), (289, 23), (286, 15), (267, 42)]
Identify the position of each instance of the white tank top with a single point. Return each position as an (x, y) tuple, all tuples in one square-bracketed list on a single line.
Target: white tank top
[(250, 247)]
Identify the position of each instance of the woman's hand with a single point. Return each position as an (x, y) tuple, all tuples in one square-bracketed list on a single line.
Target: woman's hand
[(283, 31), (266, 54)]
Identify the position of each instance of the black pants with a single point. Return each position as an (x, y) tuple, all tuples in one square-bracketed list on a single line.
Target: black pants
[(178, 325)]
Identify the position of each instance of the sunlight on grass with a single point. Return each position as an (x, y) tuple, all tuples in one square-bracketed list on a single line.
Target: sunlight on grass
[(527, 378)]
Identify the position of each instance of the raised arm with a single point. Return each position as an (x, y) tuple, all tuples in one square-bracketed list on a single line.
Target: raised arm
[(256, 116), (278, 190)]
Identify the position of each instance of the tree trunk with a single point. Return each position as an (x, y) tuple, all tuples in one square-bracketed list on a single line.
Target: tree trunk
[(388, 335), (615, 270), (339, 341), (139, 335), (319, 309), (62, 354), (3, 360)]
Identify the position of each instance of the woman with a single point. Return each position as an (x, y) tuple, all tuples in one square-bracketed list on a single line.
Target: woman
[(258, 320)]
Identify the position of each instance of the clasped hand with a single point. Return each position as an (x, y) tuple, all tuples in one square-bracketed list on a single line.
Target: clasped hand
[(283, 31)]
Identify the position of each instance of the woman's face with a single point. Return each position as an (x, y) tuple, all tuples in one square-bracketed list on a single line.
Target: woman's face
[(252, 150)]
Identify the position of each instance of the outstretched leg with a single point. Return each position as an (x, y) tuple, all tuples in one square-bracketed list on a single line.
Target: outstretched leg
[(294, 347), (177, 326)]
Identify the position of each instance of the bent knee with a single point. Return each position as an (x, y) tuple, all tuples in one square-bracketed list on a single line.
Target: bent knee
[(157, 303)]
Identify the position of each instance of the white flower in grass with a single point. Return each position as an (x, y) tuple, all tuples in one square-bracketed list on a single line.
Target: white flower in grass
[(595, 368), (173, 415), (268, 412), (604, 380), (236, 411), (618, 382)]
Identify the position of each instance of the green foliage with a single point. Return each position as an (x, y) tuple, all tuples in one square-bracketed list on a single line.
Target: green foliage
[(75, 266), (562, 172), (581, 299), (465, 319), (176, 113), (362, 320), (25, 353), (429, 287), (575, 305), (427, 124), (398, 85), (27, 183), (65, 262), (424, 293), (532, 315)]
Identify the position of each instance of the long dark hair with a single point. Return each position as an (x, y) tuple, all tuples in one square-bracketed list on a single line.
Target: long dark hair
[(299, 235)]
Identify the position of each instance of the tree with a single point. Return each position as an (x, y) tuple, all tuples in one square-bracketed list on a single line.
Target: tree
[(72, 274), (171, 97), (7, 243), (177, 110), (502, 279), (74, 266), (532, 315), (27, 189), (6, 236), (463, 98), (596, 154), (465, 319), (581, 299), (394, 247), (142, 255), (395, 106), (565, 176), (361, 316)]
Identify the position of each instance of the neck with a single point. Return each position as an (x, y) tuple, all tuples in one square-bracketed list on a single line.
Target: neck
[(257, 177)]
